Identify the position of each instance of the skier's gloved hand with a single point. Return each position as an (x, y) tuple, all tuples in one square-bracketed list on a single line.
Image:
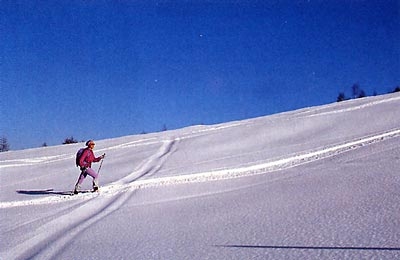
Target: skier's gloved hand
[(103, 155)]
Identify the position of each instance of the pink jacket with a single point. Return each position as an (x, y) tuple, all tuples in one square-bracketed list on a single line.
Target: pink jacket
[(87, 158)]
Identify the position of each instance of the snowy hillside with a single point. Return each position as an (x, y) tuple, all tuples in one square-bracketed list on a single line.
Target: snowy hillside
[(315, 183)]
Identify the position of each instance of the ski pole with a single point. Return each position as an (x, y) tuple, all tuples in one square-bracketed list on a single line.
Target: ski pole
[(101, 163)]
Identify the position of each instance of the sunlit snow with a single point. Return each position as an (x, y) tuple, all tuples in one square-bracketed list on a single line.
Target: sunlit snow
[(316, 183)]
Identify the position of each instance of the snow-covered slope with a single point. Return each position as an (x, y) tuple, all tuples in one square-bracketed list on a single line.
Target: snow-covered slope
[(315, 183)]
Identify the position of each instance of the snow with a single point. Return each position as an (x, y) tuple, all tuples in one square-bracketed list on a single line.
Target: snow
[(316, 183)]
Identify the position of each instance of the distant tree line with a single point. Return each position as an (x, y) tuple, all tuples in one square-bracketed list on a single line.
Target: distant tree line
[(5, 146), (358, 92)]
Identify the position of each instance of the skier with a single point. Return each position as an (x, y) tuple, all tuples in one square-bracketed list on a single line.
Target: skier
[(85, 164)]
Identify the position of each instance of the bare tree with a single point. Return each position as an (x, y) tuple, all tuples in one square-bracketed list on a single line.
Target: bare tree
[(357, 91), (4, 146), (341, 97), (70, 140)]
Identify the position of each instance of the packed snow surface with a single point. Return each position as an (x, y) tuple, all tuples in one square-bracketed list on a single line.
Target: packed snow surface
[(316, 183)]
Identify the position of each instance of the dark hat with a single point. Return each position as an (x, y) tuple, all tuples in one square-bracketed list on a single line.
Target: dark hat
[(89, 142)]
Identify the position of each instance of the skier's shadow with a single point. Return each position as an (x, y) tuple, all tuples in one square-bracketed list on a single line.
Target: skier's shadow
[(43, 192)]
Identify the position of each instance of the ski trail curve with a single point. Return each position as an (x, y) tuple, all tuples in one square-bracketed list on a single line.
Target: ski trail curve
[(47, 241), (152, 165), (50, 239), (136, 179), (60, 231)]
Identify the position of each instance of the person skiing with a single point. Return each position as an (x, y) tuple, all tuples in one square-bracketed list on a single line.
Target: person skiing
[(85, 164)]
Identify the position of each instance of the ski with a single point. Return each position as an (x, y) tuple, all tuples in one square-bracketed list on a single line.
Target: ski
[(83, 192)]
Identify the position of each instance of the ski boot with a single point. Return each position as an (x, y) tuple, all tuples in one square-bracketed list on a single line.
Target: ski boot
[(95, 185), (76, 190)]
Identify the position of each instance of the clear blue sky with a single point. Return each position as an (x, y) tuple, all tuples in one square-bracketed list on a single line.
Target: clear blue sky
[(102, 69)]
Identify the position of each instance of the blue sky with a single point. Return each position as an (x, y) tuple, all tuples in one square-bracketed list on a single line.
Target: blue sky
[(102, 69)]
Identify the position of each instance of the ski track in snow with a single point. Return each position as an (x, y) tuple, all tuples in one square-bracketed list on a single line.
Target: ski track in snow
[(134, 180), (319, 111), (60, 157), (60, 231)]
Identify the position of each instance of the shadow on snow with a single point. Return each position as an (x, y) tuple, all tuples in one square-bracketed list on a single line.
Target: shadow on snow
[(312, 247), (43, 192)]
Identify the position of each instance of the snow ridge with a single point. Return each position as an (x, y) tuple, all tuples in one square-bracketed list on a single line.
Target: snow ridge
[(177, 157), (134, 180), (279, 164)]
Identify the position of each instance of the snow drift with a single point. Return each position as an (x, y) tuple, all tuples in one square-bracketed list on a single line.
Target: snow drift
[(315, 183)]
